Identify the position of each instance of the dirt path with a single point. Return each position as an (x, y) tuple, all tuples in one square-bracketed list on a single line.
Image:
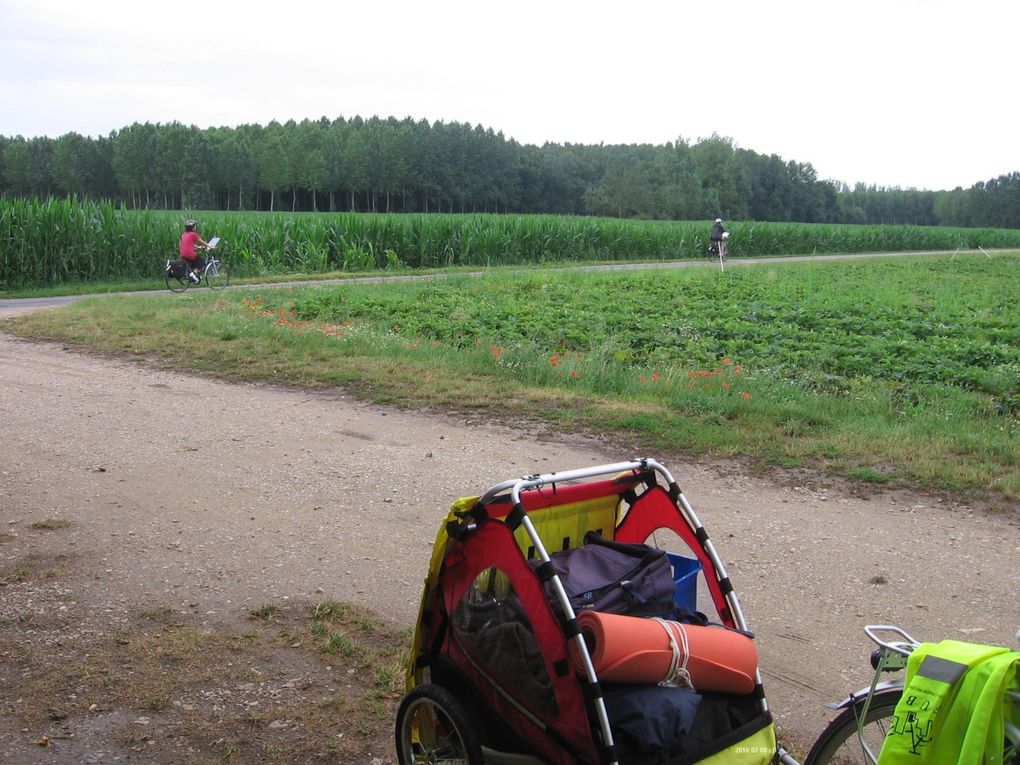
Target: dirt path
[(212, 499)]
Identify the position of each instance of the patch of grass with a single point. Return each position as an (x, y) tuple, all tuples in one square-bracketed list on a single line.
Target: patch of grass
[(356, 635), (330, 610), (154, 702), (51, 524), (339, 643), (869, 475), (334, 703), (368, 624), (33, 567), (166, 615), (264, 612), (13, 575)]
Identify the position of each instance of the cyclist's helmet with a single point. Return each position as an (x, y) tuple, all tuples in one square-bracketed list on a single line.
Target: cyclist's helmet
[(190, 224), (717, 220)]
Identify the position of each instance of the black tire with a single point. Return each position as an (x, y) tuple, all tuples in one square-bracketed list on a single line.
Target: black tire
[(217, 277), (434, 727), (177, 283), (839, 744)]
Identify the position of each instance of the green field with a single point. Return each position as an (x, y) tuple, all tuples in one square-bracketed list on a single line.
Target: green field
[(78, 245), (899, 372)]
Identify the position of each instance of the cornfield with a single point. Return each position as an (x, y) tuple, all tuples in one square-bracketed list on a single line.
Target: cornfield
[(66, 240)]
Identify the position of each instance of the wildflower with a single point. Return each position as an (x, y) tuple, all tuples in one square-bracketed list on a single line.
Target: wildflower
[(726, 361), (554, 360), (655, 377), (726, 386), (641, 378), (574, 373), (745, 395), (497, 351)]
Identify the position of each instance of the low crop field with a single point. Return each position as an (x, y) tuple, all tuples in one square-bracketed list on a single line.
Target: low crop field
[(902, 371)]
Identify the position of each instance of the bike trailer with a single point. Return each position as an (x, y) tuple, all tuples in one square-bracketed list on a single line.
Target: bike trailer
[(559, 624)]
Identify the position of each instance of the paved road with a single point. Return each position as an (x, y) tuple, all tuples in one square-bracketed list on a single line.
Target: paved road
[(18, 305)]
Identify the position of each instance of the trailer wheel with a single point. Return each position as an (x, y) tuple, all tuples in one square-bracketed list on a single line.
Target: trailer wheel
[(434, 727)]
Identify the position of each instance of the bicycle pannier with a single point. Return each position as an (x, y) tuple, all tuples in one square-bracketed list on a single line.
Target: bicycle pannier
[(177, 268)]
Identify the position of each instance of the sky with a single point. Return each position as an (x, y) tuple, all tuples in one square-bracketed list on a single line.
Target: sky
[(895, 93)]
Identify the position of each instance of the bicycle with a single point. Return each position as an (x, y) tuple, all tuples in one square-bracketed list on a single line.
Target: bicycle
[(216, 273), (719, 247), (857, 733)]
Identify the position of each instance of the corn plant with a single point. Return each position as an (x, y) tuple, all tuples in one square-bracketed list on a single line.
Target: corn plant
[(58, 241)]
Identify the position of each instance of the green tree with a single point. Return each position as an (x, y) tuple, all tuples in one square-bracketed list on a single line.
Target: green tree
[(715, 167), (356, 164), (275, 172), (67, 175), (134, 162), (624, 190), (233, 168), (28, 166), (311, 168), (334, 145), (4, 183), (171, 146)]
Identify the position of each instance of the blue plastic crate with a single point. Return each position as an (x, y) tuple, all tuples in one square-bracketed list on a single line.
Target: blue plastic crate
[(685, 575)]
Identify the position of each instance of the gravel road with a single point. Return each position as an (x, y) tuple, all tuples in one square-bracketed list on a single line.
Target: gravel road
[(215, 498)]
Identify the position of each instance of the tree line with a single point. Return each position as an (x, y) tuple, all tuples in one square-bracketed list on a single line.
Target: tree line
[(390, 165)]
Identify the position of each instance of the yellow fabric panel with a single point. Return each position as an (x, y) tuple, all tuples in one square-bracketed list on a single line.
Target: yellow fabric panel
[(573, 521), (438, 551), (756, 749)]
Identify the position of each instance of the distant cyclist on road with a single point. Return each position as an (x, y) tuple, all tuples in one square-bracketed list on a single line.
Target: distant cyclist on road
[(717, 234), (189, 253)]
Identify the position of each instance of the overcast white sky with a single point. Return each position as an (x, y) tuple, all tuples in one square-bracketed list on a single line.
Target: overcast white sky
[(909, 93)]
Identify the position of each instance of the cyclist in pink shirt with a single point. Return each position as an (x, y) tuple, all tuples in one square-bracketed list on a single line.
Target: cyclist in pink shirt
[(189, 240)]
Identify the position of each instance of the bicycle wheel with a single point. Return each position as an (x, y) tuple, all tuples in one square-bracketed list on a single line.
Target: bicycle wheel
[(217, 276), (839, 744), (434, 728), (177, 283)]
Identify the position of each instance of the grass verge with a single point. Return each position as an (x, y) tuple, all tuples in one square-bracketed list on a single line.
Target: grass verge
[(890, 374)]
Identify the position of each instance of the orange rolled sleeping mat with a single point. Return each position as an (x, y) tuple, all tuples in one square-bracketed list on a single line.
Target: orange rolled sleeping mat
[(630, 649)]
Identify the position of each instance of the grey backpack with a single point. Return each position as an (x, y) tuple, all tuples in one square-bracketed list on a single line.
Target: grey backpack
[(614, 578)]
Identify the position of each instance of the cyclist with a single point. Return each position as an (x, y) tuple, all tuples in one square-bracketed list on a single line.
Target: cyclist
[(717, 236), (189, 239)]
